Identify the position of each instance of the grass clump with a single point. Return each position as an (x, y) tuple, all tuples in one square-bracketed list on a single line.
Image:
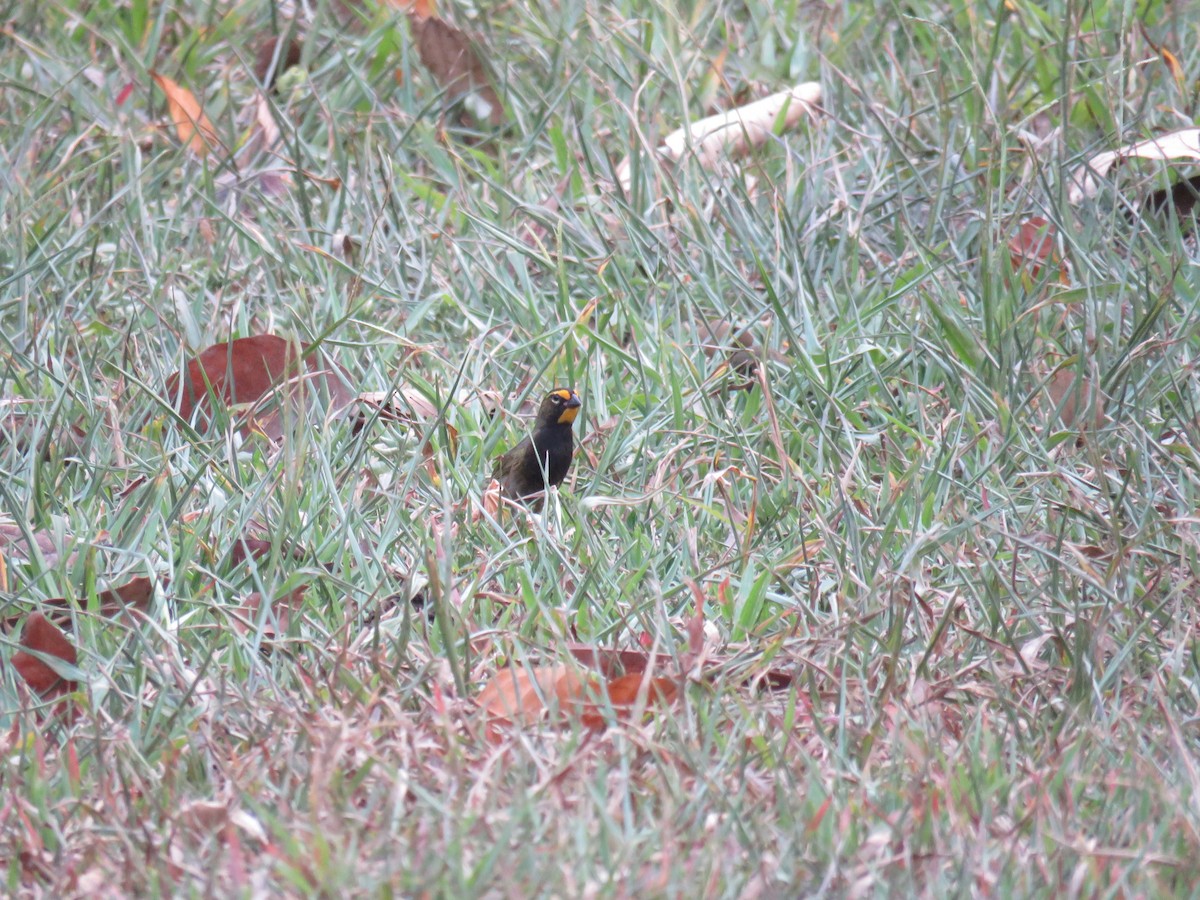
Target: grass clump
[(950, 516)]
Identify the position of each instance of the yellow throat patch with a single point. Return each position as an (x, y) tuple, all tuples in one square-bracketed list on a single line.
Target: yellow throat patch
[(568, 414)]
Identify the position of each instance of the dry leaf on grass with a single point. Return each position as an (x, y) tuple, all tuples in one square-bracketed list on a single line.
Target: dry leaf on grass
[(1085, 180), (450, 56), (630, 694), (1074, 402), (735, 132), (135, 595), (264, 370), (280, 617), (270, 62), (41, 636), (191, 124), (1033, 246), (524, 693)]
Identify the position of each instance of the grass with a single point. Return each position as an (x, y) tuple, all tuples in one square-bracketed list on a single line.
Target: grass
[(987, 614)]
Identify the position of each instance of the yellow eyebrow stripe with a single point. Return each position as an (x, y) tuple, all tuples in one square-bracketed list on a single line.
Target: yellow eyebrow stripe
[(565, 394)]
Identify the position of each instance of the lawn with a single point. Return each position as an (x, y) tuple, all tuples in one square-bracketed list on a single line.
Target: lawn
[(887, 465)]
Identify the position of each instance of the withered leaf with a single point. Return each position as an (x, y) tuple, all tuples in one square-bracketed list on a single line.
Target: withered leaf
[(521, 694), (268, 68), (265, 370), (735, 132), (451, 59), (1033, 245), (192, 126), (40, 635), (624, 693), (1075, 403), (282, 608)]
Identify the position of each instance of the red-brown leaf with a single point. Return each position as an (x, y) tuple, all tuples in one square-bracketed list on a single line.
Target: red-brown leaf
[(613, 663), (623, 694), (248, 369), (42, 636), (450, 58), (267, 74), (283, 609), (1033, 245)]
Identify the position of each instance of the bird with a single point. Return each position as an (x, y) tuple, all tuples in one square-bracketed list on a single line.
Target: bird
[(542, 460)]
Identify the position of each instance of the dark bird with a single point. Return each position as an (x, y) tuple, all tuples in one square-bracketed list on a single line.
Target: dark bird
[(542, 460)]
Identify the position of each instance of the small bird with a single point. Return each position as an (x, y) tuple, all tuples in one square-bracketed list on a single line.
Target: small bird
[(542, 460)]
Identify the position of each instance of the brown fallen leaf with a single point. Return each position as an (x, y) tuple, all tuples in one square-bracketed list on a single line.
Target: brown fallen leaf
[(1074, 403), (267, 67), (40, 635), (135, 595), (521, 693), (1170, 60), (265, 370), (450, 57), (192, 126), (1033, 246), (624, 694), (282, 608)]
